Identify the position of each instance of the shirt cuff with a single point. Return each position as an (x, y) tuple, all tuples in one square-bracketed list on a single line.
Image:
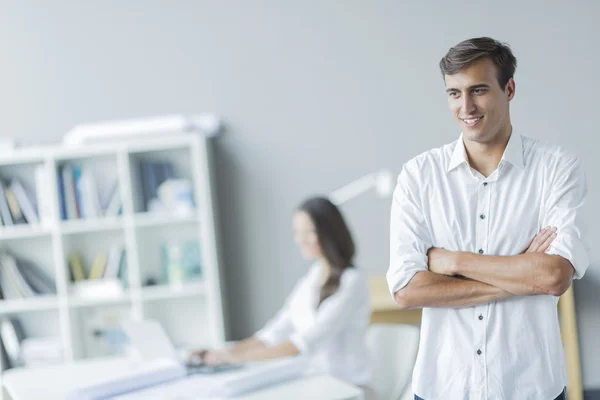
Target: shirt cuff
[(572, 249), (299, 342), (267, 338), (397, 278)]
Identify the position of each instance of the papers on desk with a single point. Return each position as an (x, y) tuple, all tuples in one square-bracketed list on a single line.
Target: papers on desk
[(143, 375), (227, 384)]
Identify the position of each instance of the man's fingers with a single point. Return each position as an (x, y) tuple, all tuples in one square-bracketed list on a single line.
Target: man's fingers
[(543, 235), (539, 239), (544, 246), (542, 240)]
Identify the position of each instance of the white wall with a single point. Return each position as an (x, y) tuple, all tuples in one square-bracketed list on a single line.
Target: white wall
[(315, 94)]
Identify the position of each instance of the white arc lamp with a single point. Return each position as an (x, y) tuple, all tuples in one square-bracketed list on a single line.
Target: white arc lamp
[(381, 181)]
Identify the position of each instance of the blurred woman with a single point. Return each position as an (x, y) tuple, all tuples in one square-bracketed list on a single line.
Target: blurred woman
[(327, 313)]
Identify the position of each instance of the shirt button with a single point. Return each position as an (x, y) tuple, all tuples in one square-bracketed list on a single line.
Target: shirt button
[(485, 183), (478, 352), (480, 317), (480, 251), (482, 216)]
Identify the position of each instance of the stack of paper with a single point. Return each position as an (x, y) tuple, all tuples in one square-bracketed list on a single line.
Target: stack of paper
[(260, 375), (226, 384), (146, 374), (41, 351)]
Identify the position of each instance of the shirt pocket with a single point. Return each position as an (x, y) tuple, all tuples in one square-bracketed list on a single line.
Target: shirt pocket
[(516, 223), (445, 215)]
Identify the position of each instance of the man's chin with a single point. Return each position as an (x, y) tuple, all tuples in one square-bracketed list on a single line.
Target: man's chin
[(474, 135)]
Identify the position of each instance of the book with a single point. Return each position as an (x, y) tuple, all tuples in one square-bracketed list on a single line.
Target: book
[(9, 291), (61, 194), (79, 203), (43, 195), (148, 183), (122, 275), (89, 194), (39, 281), (14, 278), (69, 192), (152, 174), (113, 262), (98, 266), (76, 267), (13, 206), (5, 360), (4, 209), (20, 278), (12, 334), (114, 206), (25, 200)]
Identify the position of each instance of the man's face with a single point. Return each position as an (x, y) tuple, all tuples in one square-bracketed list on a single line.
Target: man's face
[(478, 102)]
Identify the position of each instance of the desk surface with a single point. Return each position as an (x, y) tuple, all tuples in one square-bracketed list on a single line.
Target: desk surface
[(55, 383), (314, 388)]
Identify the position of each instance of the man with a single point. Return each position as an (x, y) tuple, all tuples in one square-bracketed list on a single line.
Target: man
[(462, 223)]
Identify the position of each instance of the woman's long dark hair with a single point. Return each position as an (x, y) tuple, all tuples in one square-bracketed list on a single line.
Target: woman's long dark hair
[(334, 239)]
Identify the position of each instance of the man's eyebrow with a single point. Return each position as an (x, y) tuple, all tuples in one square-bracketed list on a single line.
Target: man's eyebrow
[(478, 86)]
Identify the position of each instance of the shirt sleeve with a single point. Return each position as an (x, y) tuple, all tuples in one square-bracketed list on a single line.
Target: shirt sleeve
[(409, 235), (334, 313), (280, 327), (564, 210)]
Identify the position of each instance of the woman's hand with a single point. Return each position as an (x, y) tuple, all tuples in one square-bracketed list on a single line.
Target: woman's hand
[(220, 357), (215, 357), (197, 356)]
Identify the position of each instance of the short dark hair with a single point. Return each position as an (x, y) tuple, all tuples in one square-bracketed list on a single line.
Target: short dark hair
[(334, 238), (471, 50)]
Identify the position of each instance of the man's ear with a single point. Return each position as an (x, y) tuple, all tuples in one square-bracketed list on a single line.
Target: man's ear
[(510, 89)]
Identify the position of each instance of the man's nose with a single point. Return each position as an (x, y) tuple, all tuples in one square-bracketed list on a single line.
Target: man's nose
[(468, 105)]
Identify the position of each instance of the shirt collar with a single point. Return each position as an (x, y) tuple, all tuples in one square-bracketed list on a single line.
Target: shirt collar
[(459, 155), (513, 153)]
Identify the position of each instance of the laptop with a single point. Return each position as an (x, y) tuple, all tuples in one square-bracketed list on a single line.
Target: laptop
[(150, 341)]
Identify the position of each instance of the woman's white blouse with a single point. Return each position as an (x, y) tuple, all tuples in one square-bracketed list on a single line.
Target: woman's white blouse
[(332, 335)]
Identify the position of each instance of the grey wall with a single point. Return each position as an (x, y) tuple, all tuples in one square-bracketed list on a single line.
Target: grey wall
[(314, 93)]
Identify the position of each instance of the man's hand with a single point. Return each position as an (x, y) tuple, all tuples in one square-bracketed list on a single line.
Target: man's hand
[(442, 261), (542, 241)]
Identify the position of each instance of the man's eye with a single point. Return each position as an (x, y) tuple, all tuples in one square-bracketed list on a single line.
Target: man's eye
[(453, 94), (478, 91)]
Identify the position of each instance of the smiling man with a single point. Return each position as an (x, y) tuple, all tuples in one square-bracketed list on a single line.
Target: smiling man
[(486, 234)]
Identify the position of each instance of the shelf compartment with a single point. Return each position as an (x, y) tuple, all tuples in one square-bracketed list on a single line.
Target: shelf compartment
[(150, 169), (164, 292), (23, 231), (92, 225), (39, 303), (149, 219)]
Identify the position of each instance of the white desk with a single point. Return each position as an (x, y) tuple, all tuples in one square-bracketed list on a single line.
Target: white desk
[(54, 383), (313, 388)]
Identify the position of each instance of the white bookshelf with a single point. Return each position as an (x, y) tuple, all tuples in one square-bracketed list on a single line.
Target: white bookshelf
[(191, 311)]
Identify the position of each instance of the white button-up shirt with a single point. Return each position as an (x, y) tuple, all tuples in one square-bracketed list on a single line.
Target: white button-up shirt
[(509, 349), (332, 335)]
